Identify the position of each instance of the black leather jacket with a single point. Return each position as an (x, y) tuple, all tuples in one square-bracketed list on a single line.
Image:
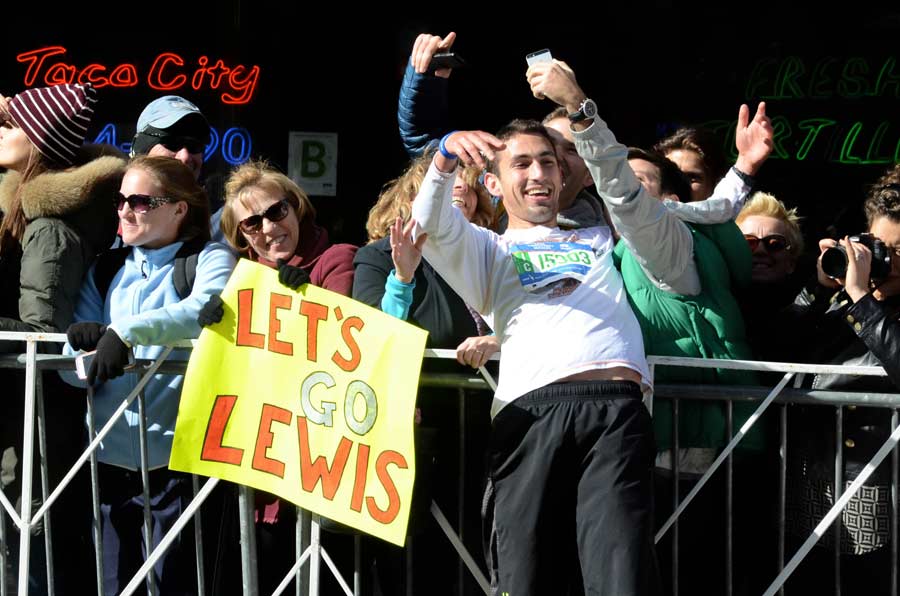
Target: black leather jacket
[(865, 333)]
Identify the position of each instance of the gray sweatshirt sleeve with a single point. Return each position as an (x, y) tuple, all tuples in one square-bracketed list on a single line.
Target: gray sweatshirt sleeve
[(723, 205), (461, 252), (660, 242)]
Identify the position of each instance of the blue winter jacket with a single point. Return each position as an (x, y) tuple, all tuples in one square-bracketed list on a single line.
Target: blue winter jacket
[(423, 111), (143, 307)]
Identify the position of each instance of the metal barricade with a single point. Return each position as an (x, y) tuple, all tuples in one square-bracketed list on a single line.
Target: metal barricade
[(308, 544), (784, 396)]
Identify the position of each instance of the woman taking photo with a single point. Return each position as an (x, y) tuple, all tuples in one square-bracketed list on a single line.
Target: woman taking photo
[(852, 318), (132, 304)]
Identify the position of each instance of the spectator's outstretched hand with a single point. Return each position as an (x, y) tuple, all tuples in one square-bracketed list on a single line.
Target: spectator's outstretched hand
[(424, 49), (405, 253), (754, 139), (555, 81), (471, 147)]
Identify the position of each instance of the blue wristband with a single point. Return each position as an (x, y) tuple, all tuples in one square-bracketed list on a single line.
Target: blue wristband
[(443, 149)]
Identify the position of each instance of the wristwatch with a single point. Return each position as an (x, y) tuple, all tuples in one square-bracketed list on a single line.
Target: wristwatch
[(587, 109)]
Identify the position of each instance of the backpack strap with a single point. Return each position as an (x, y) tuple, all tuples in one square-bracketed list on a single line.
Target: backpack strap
[(186, 266)]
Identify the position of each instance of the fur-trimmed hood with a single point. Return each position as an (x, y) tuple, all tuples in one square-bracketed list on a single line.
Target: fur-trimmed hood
[(61, 192), (82, 195)]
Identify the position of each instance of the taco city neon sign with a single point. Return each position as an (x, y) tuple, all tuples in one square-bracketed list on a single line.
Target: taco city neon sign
[(169, 72)]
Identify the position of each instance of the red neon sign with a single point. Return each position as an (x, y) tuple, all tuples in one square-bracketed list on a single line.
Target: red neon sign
[(169, 72)]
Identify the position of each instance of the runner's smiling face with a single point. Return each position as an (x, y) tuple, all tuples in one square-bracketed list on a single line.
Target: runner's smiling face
[(528, 181)]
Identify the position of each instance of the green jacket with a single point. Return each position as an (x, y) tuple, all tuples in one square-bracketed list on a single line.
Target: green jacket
[(71, 217), (708, 325)]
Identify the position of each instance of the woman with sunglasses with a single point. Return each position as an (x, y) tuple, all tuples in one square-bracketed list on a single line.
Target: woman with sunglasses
[(773, 233), (161, 209), (267, 218)]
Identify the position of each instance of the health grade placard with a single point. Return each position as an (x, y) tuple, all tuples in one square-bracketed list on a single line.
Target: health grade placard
[(307, 395)]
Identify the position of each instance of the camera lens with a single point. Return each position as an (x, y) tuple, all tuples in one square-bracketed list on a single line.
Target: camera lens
[(834, 262)]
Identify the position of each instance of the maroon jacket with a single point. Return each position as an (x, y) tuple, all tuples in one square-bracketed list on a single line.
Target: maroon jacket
[(330, 266)]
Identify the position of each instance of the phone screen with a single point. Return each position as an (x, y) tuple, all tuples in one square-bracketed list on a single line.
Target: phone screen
[(539, 56)]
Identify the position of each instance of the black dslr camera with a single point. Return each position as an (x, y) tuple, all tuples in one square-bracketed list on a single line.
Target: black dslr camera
[(834, 260)]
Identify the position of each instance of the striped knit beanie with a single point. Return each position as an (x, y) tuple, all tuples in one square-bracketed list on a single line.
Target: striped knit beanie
[(55, 118)]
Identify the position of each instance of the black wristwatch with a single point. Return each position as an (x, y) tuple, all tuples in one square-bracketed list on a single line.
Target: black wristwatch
[(587, 110)]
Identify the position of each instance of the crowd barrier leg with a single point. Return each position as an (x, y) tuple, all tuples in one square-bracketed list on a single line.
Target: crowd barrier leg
[(198, 540), (357, 564), (838, 486), (314, 553), (464, 555), (301, 576), (45, 480), (782, 486), (145, 488), (676, 490), (4, 560), (461, 487), (27, 467), (410, 552), (248, 541), (303, 544), (325, 557), (895, 483), (315, 548), (729, 505), (96, 527)]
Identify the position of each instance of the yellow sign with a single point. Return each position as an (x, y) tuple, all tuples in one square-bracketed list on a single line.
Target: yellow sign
[(308, 395)]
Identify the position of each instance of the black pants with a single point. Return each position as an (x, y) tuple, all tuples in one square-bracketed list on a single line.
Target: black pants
[(122, 524), (570, 466)]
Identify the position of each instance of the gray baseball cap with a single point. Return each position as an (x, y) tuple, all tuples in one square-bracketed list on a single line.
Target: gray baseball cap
[(164, 112)]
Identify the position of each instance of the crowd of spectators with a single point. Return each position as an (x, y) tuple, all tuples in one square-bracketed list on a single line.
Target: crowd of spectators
[(676, 252)]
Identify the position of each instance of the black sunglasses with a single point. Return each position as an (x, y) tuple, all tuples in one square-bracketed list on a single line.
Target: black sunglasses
[(274, 213), (140, 203), (773, 243), (175, 143)]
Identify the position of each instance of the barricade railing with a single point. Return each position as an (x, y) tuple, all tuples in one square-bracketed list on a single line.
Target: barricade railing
[(732, 394), (308, 544)]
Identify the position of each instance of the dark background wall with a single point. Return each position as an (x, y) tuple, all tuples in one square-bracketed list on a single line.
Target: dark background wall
[(650, 67)]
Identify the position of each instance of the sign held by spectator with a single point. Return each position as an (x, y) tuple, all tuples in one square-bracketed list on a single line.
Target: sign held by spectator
[(308, 395)]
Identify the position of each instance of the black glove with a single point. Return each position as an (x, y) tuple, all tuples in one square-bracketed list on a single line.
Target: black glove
[(84, 336), (212, 312), (290, 276), (111, 359)]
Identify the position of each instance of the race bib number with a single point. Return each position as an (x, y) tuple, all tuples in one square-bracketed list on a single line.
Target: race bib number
[(541, 263)]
